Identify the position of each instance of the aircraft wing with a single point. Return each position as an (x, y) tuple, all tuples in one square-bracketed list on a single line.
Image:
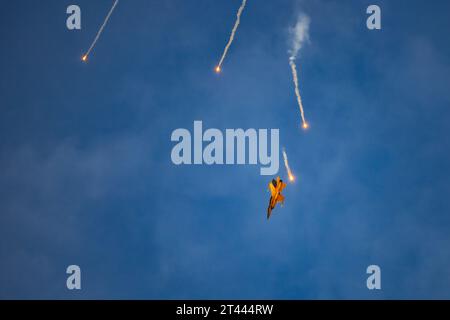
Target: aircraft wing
[(280, 198), (272, 189)]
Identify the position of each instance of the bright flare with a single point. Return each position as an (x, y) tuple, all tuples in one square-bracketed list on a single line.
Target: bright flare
[(100, 31), (233, 32), (217, 69), (299, 34), (297, 93), (288, 169)]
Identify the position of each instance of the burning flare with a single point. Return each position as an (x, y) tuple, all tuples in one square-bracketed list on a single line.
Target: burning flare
[(288, 169), (85, 56), (233, 32), (299, 34)]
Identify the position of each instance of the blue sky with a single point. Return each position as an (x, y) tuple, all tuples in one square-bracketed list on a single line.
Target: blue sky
[(87, 179)]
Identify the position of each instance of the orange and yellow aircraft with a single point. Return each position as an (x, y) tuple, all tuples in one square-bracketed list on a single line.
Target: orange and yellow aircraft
[(275, 187)]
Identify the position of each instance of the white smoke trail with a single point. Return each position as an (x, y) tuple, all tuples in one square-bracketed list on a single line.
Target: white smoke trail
[(299, 34), (286, 164), (100, 30), (233, 32), (297, 92)]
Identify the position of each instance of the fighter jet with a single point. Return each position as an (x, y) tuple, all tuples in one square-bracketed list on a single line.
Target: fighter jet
[(275, 187)]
